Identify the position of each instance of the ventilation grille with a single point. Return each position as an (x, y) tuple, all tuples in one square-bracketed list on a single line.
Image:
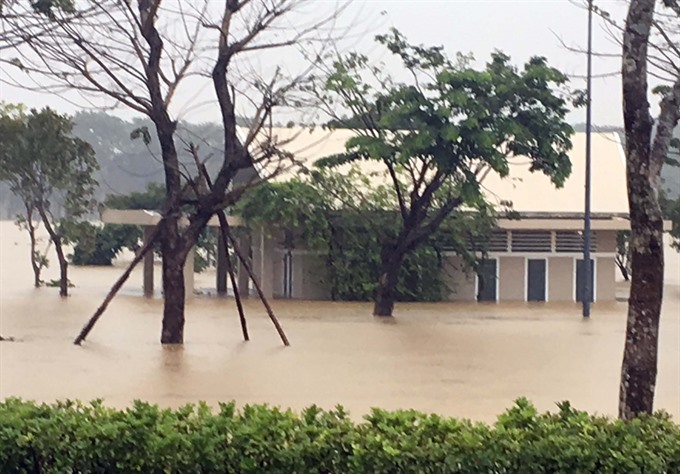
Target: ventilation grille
[(498, 242), (572, 242), (531, 241)]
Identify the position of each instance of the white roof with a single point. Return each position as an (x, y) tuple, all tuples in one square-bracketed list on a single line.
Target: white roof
[(529, 192)]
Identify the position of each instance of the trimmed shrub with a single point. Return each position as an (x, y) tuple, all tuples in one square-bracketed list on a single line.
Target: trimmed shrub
[(73, 437)]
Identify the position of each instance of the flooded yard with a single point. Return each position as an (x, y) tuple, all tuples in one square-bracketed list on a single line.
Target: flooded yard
[(467, 360)]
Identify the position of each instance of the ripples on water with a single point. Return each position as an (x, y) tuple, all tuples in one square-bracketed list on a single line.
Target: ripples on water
[(457, 359)]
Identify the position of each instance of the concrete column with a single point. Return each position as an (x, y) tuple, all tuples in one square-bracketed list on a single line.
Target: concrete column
[(189, 275), (221, 283), (148, 264), (244, 243)]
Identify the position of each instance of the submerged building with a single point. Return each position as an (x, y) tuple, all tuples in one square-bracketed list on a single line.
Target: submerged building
[(537, 257)]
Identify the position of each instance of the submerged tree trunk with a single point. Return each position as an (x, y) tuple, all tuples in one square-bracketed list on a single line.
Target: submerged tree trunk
[(56, 240), (386, 293), (37, 266), (63, 266), (643, 165), (173, 283)]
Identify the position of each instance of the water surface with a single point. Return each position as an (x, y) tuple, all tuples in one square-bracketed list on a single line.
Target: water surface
[(467, 360)]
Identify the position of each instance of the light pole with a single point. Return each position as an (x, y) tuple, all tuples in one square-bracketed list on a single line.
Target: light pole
[(587, 278)]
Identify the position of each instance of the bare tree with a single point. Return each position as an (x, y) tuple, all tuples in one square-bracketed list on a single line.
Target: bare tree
[(138, 54), (647, 146)]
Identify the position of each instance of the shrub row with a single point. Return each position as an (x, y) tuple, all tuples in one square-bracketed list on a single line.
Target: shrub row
[(72, 437)]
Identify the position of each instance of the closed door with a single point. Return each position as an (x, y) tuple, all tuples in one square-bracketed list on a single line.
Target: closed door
[(580, 280), (486, 280), (536, 278)]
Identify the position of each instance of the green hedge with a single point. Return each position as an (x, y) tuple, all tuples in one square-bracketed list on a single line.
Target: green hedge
[(72, 437)]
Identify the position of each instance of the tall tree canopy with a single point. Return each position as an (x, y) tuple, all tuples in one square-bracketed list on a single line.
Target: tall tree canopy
[(440, 133)]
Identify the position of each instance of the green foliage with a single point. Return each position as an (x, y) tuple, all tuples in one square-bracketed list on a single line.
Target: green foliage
[(100, 245), (151, 199), (42, 162), (77, 437), (346, 219)]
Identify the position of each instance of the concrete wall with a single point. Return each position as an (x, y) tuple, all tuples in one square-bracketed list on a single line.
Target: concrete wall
[(461, 286), (310, 279), (511, 279), (277, 270), (606, 240), (263, 262), (605, 279), (561, 278)]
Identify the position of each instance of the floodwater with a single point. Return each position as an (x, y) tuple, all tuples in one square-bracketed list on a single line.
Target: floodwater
[(464, 360)]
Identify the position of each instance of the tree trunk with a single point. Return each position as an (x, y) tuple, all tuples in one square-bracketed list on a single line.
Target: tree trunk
[(643, 166), (63, 266), (56, 240), (37, 282), (623, 269), (173, 283), (386, 293)]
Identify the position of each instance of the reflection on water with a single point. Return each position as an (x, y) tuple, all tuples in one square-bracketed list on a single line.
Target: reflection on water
[(456, 359)]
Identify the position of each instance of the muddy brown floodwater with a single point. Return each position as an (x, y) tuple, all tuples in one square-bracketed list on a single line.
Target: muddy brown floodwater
[(465, 360)]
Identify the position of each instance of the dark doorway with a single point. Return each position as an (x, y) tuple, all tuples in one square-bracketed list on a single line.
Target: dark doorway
[(580, 281), (536, 277), (487, 282)]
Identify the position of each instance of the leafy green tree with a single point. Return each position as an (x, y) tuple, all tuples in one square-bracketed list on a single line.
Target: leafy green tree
[(44, 165), (439, 134)]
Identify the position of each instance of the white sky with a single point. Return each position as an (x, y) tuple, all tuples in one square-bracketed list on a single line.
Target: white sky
[(520, 28)]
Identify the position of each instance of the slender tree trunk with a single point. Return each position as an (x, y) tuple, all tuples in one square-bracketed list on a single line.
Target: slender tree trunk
[(644, 159), (37, 282), (173, 283), (623, 270), (56, 240), (386, 293)]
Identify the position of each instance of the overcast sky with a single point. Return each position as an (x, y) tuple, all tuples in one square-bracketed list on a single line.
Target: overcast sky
[(520, 28)]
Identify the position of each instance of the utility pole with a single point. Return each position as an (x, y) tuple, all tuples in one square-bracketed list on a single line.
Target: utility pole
[(587, 270)]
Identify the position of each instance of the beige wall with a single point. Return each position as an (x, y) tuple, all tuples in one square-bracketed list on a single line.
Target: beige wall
[(264, 255), (461, 286), (605, 279), (511, 276), (606, 241), (277, 269), (561, 278)]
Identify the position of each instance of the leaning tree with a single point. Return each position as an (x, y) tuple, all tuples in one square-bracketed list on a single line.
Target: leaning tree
[(141, 55)]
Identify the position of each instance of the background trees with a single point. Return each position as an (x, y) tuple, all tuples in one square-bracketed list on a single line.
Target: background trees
[(44, 165)]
